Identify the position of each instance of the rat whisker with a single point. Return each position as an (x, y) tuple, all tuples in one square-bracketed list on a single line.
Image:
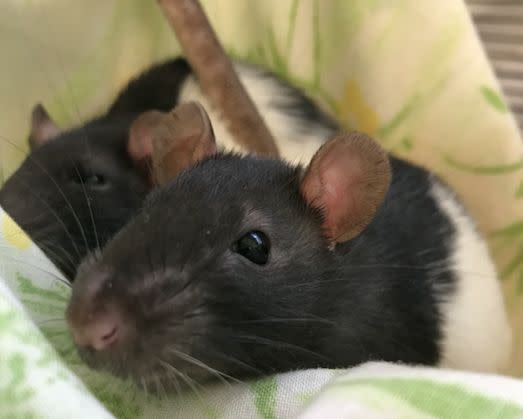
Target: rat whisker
[(144, 386), (63, 195), (53, 333), (53, 212), (159, 388), (407, 268), (191, 383), (54, 320), (190, 359), (59, 255), (149, 255), (284, 320), (282, 344), (9, 259), (172, 376), (88, 201), (237, 362), (198, 312)]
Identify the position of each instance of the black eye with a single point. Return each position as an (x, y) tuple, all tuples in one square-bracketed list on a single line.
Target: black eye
[(95, 180), (91, 180), (254, 246)]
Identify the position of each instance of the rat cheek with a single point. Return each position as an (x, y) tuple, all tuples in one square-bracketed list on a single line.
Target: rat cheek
[(194, 352)]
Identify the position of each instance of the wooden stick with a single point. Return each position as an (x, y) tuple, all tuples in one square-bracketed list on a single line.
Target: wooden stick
[(217, 76)]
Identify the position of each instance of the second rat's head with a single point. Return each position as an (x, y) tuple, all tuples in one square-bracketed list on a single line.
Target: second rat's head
[(78, 186), (219, 274)]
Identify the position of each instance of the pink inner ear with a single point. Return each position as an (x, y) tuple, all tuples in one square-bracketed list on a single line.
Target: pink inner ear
[(140, 143), (347, 179), (178, 140), (141, 133), (340, 193), (46, 132), (43, 128)]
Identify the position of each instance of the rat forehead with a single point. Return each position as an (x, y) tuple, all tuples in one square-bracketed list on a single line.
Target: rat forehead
[(234, 175), (225, 179), (223, 188), (97, 147), (100, 132)]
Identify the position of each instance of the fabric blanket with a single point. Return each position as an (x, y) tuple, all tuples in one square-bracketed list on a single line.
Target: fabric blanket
[(413, 74)]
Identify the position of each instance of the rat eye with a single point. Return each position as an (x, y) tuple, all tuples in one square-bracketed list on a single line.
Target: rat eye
[(254, 246), (91, 180), (95, 180)]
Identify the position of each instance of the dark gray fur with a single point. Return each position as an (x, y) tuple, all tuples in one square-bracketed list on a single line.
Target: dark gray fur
[(51, 197), (172, 272)]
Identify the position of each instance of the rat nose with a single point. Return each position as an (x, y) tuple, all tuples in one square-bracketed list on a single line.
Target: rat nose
[(101, 332)]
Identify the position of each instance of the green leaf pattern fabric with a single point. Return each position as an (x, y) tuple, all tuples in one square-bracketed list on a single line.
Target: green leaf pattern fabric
[(413, 74)]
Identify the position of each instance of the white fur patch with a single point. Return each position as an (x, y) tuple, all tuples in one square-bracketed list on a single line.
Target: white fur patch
[(297, 139), (476, 331)]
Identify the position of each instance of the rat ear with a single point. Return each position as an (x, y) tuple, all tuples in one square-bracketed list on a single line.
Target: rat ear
[(347, 179), (43, 128), (164, 144), (140, 144), (185, 138)]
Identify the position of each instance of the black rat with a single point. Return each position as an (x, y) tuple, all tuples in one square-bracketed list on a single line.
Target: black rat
[(78, 186), (243, 266)]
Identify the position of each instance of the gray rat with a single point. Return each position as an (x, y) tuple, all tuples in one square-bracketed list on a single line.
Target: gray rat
[(243, 266), (78, 186)]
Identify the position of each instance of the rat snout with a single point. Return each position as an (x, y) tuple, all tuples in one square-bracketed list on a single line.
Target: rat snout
[(101, 331), (94, 315)]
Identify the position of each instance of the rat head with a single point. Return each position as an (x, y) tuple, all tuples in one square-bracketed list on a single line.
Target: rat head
[(225, 271), (78, 187)]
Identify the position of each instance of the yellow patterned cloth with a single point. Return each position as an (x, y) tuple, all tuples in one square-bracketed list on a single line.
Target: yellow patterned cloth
[(411, 73)]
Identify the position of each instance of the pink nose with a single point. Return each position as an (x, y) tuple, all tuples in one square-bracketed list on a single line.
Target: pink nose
[(103, 332)]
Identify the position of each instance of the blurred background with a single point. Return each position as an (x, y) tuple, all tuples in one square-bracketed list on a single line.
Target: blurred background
[(74, 56), (500, 27)]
